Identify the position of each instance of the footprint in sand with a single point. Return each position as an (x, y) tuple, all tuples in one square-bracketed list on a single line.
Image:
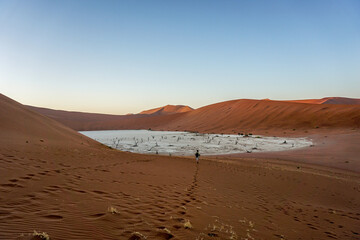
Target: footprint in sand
[(52, 217), (95, 216), (11, 185), (4, 214), (311, 226), (331, 235)]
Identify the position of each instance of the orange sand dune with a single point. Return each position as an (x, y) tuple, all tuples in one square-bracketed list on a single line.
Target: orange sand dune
[(261, 115), (93, 121), (329, 100), (18, 123), (231, 116), (168, 109), (57, 181)]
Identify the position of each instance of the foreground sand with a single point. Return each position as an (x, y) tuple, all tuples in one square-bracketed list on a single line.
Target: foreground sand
[(66, 192)]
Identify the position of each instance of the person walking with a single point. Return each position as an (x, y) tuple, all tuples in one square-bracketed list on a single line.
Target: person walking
[(197, 156)]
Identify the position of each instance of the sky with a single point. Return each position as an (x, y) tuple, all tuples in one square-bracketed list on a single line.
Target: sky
[(123, 57)]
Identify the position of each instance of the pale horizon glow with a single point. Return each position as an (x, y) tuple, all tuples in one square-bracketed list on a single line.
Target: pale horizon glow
[(120, 57)]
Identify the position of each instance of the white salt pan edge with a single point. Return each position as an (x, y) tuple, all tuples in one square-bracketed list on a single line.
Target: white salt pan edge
[(186, 143)]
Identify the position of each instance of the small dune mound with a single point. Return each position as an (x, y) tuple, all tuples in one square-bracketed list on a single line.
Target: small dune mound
[(137, 236), (164, 233)]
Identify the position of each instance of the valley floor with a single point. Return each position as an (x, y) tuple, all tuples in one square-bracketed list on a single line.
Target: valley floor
[(99, 193)]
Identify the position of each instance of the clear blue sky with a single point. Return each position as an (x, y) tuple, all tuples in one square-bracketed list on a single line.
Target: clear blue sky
[(126, 56)]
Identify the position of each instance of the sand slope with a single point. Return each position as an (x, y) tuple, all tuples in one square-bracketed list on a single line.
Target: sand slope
[(21, 125), (234, 116), (73, 188)]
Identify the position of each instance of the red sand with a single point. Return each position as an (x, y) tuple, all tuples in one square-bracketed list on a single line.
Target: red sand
[(60, 182)]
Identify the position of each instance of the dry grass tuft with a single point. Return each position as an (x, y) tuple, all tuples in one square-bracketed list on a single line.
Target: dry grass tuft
[(41, 235), (113, 210), (166, 230), (187, 225)]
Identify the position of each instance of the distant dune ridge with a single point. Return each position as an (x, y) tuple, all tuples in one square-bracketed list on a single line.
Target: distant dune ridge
[(330, 100), (229, 116), (168, 109)]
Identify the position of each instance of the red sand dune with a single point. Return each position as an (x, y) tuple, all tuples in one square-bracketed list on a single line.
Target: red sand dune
[(57, 181), (168, 109), (330, 100), (93, 121), (18, 123), (260, 115), (230, 116)]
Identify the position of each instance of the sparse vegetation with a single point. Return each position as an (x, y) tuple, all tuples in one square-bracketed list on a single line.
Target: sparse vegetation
[(187, 225), (113, 210), (41, 235), (116, 142)]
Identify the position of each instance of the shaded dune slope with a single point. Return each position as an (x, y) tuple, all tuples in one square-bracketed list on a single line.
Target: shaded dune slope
[(18, 123)]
